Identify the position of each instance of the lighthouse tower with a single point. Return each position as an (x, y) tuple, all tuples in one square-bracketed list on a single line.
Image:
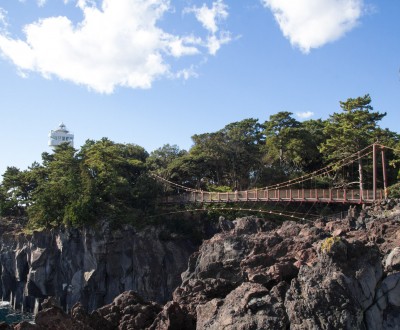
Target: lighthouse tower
[(60, 135)]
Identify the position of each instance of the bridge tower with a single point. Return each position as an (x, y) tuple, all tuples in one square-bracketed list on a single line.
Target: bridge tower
[(60, 135)]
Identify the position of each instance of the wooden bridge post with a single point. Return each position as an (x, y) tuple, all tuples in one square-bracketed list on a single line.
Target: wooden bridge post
[(360, 175), (384, 172), (374, 172)]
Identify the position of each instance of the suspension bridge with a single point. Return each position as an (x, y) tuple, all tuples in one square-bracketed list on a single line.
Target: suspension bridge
[(289, 191)]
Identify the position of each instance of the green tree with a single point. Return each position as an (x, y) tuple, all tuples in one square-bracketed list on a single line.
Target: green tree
[(351, 131), (58, 186), (280, 131), (230, 156), (313, 137), (161, 158), (14, 191), (243, 150), (291, 148), (110, 173), (209, 156), (104, 181)]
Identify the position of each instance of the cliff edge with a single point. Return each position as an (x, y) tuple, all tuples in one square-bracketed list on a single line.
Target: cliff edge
[(259, 274)]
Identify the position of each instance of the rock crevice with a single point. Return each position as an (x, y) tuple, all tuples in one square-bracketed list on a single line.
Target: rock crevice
[(89, 267)]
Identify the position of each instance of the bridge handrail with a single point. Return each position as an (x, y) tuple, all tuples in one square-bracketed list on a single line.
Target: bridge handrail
[(270, 195)]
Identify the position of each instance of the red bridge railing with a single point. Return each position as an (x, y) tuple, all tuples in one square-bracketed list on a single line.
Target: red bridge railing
[(350, 196)]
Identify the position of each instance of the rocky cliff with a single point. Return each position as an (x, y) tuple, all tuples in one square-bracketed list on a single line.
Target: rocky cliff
[(90, 267), (259, 274)]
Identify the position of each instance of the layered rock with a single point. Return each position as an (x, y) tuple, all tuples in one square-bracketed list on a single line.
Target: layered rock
[(259, 274), (336, 274), (90, 267)]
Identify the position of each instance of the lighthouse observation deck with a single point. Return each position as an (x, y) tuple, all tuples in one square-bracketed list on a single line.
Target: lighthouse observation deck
[(60, 135)]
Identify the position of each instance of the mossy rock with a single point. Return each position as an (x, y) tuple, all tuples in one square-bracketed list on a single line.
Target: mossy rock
[(334, 247), (328, 243)]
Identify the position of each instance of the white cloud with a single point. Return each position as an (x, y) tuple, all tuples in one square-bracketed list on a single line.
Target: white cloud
[(3, 20), (313, 23), (118, 43), (304, 115), (210, 17), (187, 73), (41, 3), (214, 42)]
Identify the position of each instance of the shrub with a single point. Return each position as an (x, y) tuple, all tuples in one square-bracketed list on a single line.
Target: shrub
[(394, 191), (328, 243)]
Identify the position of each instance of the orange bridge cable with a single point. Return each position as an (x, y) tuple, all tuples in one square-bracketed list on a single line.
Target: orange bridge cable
[(254, 205), (283, 214), (173, 183), (295, 212), (288, 183), (273, 187), (292, 182), (313, 174), (386, 147), (305, 177)]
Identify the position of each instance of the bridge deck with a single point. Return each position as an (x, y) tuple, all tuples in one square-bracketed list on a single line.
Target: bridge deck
[(350, 196)]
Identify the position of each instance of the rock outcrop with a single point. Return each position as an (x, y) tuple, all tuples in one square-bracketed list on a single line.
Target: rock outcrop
[(332, 274), (90, 267), (259, 274)]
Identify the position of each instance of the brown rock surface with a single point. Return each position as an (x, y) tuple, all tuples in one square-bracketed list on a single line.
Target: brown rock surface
[(258, 274)]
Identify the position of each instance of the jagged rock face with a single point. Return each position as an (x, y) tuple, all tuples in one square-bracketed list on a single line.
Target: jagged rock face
[(246, 307), (260, 275), (336, 291), (81, 265), (256, 274), (255, 251)]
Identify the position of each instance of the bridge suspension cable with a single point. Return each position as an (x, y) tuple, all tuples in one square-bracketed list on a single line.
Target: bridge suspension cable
[(174, 184), (278, 213), (323, 171), (318, 173)]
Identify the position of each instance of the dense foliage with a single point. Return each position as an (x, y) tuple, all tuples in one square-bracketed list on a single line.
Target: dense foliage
[(112, 181), (104, 180)]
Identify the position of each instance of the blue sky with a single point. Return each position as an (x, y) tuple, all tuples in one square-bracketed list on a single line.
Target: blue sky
[(152, 72)]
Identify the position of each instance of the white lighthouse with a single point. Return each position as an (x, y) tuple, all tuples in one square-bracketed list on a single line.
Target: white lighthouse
[(60, 135)]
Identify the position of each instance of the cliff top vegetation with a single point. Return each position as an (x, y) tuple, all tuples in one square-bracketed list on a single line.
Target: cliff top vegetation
[(112, 181)]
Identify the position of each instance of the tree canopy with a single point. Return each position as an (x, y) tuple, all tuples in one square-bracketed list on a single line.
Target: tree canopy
[(111, 181), (351, 130)]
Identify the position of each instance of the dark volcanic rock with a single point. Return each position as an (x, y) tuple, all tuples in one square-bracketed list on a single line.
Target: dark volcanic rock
[(247, 307), (336, 291), (90, 267), (130, 311), (127, 311), (331, 275), (172, 317), (256, 274), (4, 326), (255, 255)]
